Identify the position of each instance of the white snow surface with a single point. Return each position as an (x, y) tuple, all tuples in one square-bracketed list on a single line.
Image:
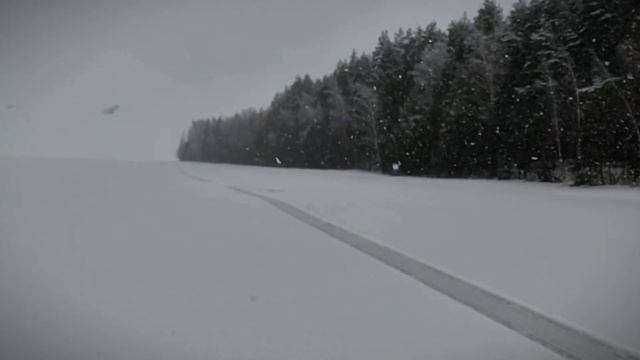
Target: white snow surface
[(569, 253), (118, 260)]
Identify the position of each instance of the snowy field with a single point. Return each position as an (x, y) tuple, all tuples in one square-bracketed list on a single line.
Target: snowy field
[(116, 260)]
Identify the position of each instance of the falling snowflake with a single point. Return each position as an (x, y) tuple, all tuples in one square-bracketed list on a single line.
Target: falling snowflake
[(534, 158), (278, 161), (396, 166)]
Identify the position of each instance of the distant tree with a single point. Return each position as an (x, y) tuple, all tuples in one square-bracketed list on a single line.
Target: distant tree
[(389, 81)]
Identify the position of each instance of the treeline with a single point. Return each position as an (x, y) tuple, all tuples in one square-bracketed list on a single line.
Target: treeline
[(550, 93)]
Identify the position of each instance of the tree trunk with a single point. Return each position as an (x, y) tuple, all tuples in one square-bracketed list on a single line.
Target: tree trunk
[(376, 141), (490, 79), (578, 110), (556, 122)]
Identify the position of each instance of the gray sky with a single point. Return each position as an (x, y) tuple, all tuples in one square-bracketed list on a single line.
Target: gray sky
[(168, 62)]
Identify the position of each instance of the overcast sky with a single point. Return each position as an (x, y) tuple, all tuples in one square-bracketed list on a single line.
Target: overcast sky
[(166, 63)]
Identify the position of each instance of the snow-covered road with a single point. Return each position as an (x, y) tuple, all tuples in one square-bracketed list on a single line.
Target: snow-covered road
[(112, 260), (564, 340), (572, 254)]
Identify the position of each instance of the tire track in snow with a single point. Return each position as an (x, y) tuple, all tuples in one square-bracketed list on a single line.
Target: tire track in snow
[(560, 338)]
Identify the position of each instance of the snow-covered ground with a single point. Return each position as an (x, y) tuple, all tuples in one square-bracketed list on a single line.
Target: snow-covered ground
[(115, 260), (571, 253)]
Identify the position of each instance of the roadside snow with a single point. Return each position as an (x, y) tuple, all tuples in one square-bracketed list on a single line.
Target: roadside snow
[(111, 260)]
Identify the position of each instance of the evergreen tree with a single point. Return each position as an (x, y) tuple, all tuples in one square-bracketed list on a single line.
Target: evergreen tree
[(550, 93)]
